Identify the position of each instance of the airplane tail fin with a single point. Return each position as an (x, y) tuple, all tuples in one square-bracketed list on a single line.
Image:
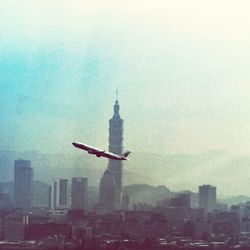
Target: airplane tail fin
[(125, 154)]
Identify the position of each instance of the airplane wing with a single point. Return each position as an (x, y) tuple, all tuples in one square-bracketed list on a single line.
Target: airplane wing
[(91, 150), (95, 150)]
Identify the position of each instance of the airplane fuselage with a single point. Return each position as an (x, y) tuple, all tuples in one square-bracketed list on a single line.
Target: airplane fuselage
[(99, 152)]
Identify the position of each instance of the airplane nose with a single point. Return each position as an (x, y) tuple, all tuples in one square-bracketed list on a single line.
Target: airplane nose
[(73, 143)]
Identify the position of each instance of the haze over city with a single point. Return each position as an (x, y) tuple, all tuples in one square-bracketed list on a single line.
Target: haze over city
[(182, 72)]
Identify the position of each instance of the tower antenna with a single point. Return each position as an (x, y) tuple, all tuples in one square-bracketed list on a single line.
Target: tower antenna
[(116, 95)]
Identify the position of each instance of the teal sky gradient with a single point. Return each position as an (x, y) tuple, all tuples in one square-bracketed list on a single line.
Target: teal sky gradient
[(181, 68)]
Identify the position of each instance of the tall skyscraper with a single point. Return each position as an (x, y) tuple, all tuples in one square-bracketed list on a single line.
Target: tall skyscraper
[(79, 196), (114, 167), (207, 197), (23, 177), (63, 192), (107, 191)]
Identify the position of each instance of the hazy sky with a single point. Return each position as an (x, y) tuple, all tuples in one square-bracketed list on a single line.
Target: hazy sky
[(181, 68)]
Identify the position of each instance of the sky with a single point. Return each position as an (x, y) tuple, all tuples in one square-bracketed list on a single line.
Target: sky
[(181, 69)]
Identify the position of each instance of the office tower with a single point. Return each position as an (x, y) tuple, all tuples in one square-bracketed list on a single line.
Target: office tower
[(50, 203), (79, 196), (55, 194), (107, 192), (115, 146), (207, 197), (114, 166), (23, 177), (63, 192)]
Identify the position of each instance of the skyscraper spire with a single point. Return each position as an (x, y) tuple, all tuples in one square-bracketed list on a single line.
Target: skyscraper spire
[(116, 106)]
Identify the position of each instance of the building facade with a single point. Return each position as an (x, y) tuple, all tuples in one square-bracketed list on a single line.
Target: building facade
[(50, 202), (79, 195), (23, 178), (63, 192), (15, 224), (55, 195), (207, 197)]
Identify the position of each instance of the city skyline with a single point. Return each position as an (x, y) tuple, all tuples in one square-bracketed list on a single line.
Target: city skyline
[(178, 184), (182, 74), (180, 71)]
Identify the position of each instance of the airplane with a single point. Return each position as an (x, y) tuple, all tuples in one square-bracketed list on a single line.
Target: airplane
[(101, 153)]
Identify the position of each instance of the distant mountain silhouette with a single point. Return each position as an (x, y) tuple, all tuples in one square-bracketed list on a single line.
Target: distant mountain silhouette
[(146, 193), (240, 199)]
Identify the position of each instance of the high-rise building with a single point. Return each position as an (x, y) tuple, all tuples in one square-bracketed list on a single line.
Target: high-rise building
[(207, 197), (114, 167), (79, 196), (23, 177), (50, 202), (55, 194), (107, 192), (63, 192), (115, 146)]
